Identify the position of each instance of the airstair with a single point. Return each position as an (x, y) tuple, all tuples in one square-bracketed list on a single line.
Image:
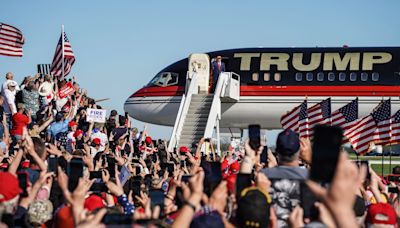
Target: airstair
[(200, 112)]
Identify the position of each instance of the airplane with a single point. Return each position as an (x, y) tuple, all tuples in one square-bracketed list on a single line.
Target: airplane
[(275, 80)]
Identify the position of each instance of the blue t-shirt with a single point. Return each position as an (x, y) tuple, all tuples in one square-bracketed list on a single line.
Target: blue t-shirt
[(58, 127)]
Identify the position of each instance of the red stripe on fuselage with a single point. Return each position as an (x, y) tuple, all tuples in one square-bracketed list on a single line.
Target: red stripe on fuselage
[(255, 90)]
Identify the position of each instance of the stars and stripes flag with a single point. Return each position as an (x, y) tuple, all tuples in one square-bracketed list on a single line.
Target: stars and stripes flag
[(296, 119), (63, 54), (319, 114), (345, 117), (373, 128), (396, 128), (11, 41)]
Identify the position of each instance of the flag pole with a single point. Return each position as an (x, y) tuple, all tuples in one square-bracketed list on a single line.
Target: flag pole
[(62, 50)]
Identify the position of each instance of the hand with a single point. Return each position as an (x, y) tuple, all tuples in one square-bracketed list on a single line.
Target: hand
[(93, 220), (252, 153), (218, 198), (105, 175), (263, 182), (296, 218), (52, 149), (305, 150), (339, 197), (114, 188)]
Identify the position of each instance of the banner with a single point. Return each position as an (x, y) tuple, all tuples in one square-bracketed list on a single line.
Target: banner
[(68, 89), (96, 115)]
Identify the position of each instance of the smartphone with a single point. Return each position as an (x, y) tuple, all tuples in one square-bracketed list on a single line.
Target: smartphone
[(111, 166), (326, 149), (98, 187), (168, 166), (135, 161), (264, 156), (185, 178), (52, 162), (307, 201), (183, 163), (366, 164), (117, 219), (394, 178), (95, 174), (138, 170), (393, 190), (213, 176), (255, 136), (75, 171), (135, 187), (23, 183), (157, 197)]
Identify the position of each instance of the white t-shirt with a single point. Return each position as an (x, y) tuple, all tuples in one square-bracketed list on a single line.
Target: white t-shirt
[(9, 101)]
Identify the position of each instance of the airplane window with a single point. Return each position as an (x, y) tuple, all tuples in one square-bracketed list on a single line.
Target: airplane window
[(173, 80), (254, 77), (331, 76), (364, 77), (299, 77), (277, 77), (309, 76), (353, 77), (266, 77), (342, 77), (320, 76), (375, 76)]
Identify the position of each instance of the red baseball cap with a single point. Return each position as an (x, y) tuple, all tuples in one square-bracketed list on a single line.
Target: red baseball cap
[(72, 123), (78, 132), (96, 141), (381, 213), (9, 187), (183, 149), (93, 202), (148, 140)]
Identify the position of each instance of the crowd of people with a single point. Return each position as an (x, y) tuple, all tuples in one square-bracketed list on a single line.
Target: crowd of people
[(59, 170)]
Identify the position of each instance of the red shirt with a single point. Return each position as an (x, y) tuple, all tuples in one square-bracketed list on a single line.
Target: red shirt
[(19, 121)]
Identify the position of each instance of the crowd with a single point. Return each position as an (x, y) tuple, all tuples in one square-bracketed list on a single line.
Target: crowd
[(59, 170)]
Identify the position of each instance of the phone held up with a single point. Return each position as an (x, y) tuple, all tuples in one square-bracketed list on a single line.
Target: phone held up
[(326, 149), (254, 136)]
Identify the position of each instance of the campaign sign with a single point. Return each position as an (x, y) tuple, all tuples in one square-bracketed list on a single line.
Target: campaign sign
[(66, 90), (96, 115)]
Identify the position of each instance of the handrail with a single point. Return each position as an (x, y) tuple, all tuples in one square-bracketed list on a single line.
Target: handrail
[(183, 110), (215, 110)]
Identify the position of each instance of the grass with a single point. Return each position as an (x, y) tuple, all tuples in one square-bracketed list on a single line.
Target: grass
[(378, 169), (375, 158)]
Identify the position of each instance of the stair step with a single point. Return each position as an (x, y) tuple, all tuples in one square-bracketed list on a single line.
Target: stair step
[(197, 115)]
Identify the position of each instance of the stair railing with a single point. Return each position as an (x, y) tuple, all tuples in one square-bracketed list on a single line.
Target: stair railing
[(183, 110)]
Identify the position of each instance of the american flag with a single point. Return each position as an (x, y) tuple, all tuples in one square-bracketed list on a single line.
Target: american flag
[(373, 128), (11, 41), (319, 114), (296, 119), (69, 58), (396, 128), (346, 116)]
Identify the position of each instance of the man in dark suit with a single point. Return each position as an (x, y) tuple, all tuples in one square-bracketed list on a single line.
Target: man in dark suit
[(217, 67)]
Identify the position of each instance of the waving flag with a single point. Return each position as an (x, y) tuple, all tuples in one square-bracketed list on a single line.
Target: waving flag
[(296, 119), (11, 41), (396, 128), (319, 114), (64, 57), (373, 128), (346, 116)]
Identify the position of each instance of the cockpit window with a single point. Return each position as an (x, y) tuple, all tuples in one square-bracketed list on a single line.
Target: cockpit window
[(165, 79)]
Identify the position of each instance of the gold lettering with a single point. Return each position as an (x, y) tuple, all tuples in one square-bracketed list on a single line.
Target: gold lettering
[(371, 58), (341, 64), (314, 62), (245, 59), (278, 59)]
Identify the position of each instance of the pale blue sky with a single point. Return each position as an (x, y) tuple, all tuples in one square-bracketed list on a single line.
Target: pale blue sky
[(120, 45)]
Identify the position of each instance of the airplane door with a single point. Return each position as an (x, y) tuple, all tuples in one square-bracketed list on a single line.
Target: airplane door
[(200, 63)]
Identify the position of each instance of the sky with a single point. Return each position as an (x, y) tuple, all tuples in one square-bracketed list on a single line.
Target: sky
[(120, 45)]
